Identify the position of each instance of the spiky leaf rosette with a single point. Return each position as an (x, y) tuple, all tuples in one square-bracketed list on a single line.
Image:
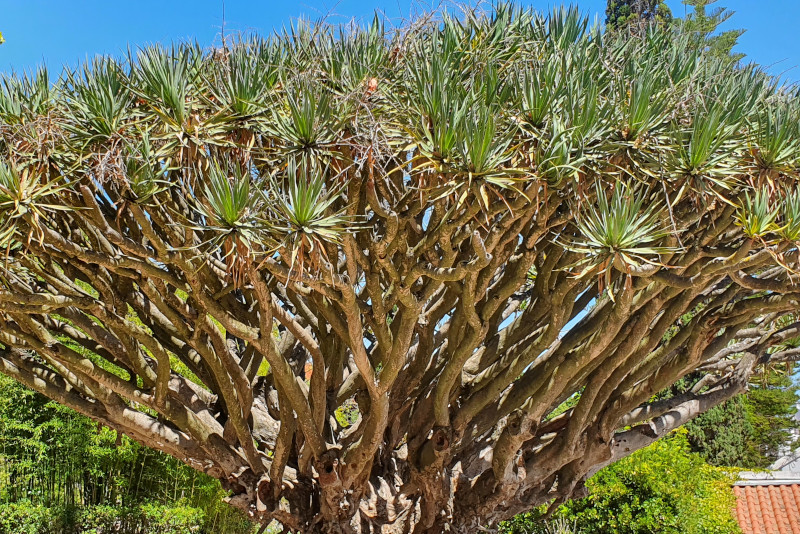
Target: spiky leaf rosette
[(355, 273)]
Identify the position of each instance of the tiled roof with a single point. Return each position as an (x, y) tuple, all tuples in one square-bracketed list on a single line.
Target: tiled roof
[(768, 507)]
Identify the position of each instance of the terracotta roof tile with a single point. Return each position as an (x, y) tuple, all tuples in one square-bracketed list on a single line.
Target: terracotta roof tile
[(768, 508), (790, 494)]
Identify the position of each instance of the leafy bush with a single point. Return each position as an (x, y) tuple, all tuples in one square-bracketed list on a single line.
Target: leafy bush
[(561, 526), (61, 473), (23, 517), (663, 489), (145, 519)]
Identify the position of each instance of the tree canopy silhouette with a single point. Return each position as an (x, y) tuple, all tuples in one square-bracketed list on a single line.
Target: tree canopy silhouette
[(623, 13), (401, 280)]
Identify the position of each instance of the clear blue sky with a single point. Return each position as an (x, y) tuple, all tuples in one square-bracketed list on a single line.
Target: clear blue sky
[(59, 32)]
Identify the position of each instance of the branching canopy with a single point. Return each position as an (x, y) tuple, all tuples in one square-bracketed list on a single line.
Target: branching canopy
[(421, 278)]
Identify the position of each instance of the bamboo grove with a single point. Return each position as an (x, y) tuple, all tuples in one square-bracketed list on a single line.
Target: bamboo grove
[(409, 279)]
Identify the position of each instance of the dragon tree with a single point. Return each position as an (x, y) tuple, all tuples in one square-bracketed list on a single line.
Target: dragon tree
[(400, 280)]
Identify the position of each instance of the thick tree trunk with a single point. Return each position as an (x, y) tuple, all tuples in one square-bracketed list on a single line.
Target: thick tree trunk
[(384, 511), (455, 489), (402, 500)]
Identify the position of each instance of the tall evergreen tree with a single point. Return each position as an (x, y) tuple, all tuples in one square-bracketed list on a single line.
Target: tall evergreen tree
[(704, 24), (622, 13), (750, 431)]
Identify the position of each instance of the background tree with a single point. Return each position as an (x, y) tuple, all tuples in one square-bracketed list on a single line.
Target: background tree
[(723, 435), (481, 235), (622, 13), (750, 431), (61, 473), (704, 25)]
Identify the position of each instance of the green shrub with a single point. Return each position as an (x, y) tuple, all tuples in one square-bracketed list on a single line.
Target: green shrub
[(561, 526), (144, 519), (663, 489), (101, 482), (23, 517)]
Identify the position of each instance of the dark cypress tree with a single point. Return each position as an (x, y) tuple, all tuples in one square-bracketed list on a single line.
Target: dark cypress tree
[(623, 13)]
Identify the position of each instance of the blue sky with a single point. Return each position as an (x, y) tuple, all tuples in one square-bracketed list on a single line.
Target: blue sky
[(62, 32)]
